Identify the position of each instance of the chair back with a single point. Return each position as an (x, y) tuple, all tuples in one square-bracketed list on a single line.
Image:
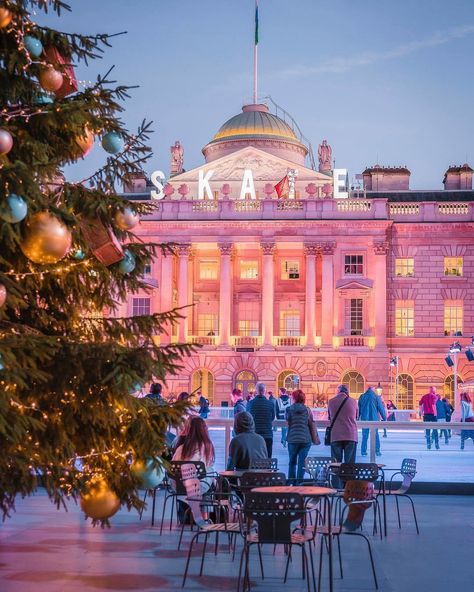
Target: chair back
[(264, 463), (318, 468), (175, 475), (188, 471), (358, 472), (250, 480), (274, 515), (357, 491), (408, 472), (193, 499)]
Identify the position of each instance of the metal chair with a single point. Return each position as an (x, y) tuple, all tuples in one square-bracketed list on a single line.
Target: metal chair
[(274, 515), (264, 463), (318, 469), (251, 480), (358, 497), (408, 472)]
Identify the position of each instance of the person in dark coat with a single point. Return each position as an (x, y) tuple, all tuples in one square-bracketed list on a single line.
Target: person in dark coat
[(263, 413), (246, 446), (371, 408), (299, 440), (155, 392)]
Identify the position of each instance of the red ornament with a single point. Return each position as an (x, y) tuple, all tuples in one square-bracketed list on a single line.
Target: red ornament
[(102, 241), (50, 79), (6, 141), (69, 84)]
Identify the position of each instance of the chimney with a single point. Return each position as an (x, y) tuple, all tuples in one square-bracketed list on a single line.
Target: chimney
[(137, 184), (380, 178), (458, 177)]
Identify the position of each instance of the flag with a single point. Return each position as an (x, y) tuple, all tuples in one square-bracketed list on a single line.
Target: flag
[(256, 23), (283, 187)]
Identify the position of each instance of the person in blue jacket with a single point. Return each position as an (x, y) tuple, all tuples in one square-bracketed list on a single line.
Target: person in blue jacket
[(371, 408)]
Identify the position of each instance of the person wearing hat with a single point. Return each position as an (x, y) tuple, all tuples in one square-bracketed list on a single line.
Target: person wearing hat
[(246, 445), (342, 413)]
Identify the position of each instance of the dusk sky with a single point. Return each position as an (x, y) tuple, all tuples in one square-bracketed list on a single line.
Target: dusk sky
[(382, 81)]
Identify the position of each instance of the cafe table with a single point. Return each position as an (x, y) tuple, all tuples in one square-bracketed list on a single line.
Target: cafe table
[(309, 491)]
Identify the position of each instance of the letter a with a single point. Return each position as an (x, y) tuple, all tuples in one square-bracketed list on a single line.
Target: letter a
[(247, 185), (203, 185)]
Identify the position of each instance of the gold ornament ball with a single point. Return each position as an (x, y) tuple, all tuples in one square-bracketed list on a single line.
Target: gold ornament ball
[(3, 295), (50, 79), (85, 142), (99, 503), (127, 219), (47, 239), (5, 18)]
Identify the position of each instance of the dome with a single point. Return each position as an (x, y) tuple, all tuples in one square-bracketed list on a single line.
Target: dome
[(255, 120), (257, 127)]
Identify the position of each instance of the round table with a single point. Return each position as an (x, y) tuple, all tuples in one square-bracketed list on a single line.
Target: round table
[(309, 491), (337, 464), (240, 472)]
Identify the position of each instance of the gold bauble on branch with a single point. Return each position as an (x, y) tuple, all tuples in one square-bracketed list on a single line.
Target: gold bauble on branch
[(46, 240), (5, 18), (100, 502), (3, 295), (50, 79), (127, 219), (85, 142)]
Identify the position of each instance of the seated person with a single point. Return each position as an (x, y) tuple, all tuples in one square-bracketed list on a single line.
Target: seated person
[(197, 446), (246, 445)]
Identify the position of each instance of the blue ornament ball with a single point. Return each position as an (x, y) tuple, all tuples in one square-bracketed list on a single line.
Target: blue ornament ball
[(44, 99), (149, 476), (79, 254), (14, 210), (33, 46), (112, 142), (135, 388), (127, 265)]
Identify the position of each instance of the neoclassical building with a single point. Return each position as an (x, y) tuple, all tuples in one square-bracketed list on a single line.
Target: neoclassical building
[(315, 288)]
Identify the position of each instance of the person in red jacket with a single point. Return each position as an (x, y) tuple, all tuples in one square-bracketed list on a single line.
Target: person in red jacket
[(428, 411)]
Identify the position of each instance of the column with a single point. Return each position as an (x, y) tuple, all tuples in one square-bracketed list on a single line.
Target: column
[(268, 275), (310, 296), (380, 294), (183, 278), (327, 295), (166, 290), (225, 295)]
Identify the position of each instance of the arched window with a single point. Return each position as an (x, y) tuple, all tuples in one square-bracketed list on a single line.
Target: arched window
[(448, 387), (405, 392), (354, 382), (203, 380), (245, 380), (289, 380)]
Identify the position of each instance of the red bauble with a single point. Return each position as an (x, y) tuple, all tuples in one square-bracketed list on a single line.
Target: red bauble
[(6, 141), (50, 79), (85, 142)]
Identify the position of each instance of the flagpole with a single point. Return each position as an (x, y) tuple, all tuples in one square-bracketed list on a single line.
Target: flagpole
[(255, 55)]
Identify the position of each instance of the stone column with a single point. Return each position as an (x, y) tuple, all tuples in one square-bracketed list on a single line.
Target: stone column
[(327, 295), (268, 277), (166, 290), (311, 251), (225, 295), (184, 252), (380, 294)]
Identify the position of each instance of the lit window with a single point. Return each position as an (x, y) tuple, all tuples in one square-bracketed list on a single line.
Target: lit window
[(249, 270), (290, 323), (208, 270), (140, 306), (249, 319), (353, 264), (453, 317), (453, 266), (207, 324), (354, 382), (404, 267), (248, 328), (405, 392), (290, 270), (354, 316), (404, 318)]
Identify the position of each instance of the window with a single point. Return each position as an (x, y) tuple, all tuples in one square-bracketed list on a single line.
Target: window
[(207, 324), (353, 264), (404, 398), (140, 306), (245, 381), (404, 267), (290, 323), (289, 380), (249, 270), (202, 383), (354, 316), (249, 319), (208, 270), (404, 318), (290, 270), (453, 317), (448, 387), (354, 382), (147, 270), (453, 266), (248, 328)]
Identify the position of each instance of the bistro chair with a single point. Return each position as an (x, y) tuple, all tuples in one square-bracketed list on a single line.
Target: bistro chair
[(408, 472), (317, 468), (264, 463), (358, 497), (250, 480), (274, 516)]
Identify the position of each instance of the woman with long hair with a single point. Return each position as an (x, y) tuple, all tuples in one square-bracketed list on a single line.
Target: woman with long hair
[(466, 415), (197, 445)]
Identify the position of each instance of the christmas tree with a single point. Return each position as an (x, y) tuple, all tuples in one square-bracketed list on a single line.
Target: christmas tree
[(67, 257)]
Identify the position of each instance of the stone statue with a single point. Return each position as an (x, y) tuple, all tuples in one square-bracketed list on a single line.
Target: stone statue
[(325, 157), (177, 158)]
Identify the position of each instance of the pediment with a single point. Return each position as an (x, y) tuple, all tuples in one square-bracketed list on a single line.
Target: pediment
[(264, 166), (354, 284)]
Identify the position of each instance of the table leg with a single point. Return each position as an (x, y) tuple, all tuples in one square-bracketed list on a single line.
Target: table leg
[(384, 502)]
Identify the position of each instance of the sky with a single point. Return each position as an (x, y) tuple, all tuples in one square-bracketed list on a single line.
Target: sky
[(384, 81)]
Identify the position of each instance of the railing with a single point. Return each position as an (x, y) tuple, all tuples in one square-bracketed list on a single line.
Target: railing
[(288, 341), (354, 341), (205, 205), (404, 209), (354, 205), (247, 205), (289, 204), (245, 341), (456, 209), (203, 339)]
